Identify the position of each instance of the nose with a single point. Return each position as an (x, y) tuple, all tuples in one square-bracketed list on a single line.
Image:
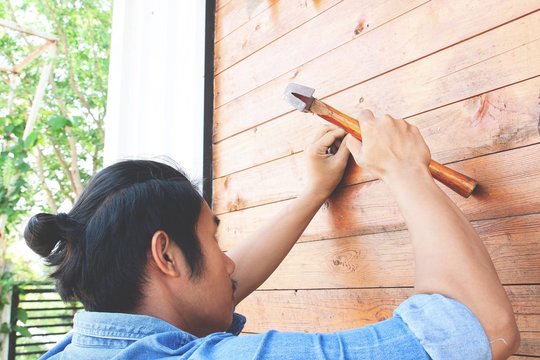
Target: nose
[(230, 265)]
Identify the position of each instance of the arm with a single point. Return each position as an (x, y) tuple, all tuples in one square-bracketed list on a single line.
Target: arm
[(449, 255), (258, 256)]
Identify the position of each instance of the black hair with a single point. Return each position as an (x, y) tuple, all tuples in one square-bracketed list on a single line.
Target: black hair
[(101, 247)]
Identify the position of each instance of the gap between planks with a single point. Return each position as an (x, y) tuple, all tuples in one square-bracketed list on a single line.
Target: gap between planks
[(517, 201), (228, 66), (375, 180), (413, 58), (386, 71), (420, 107), (322, 54), (404, 118)]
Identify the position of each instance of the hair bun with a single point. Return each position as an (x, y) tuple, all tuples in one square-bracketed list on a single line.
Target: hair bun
[(62, 218), (42, 233)]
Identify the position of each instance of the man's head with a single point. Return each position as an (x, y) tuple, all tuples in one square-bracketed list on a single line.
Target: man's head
[(138, 225)]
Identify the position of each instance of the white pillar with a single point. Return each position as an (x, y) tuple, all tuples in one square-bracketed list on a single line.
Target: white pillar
[(156, 82)]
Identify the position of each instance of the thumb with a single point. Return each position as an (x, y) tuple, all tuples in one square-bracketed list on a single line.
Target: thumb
[(355, 147)]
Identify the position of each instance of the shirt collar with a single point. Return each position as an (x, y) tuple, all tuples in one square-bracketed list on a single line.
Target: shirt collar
[(120, 326), (131, 326)]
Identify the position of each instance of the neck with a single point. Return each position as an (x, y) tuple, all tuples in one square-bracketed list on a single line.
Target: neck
[(160, 302)]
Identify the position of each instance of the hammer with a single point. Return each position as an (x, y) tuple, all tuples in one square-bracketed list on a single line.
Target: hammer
[(301, 98)]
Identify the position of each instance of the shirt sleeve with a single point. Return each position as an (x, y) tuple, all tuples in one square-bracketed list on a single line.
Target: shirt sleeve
[(446, 328), (423, 327)]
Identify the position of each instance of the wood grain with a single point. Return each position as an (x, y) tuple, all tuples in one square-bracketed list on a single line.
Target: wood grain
[(386, 259), (221, 3), (319, 310), (235, 13), (466, 73), (285, 179), (342, 23), (530, 343), (509, 186), (266, 27), (494, 121), (372, 54), (340, 309), (502, 66)]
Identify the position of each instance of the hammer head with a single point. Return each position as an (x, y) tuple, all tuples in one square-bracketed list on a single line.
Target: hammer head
[(299, 96)]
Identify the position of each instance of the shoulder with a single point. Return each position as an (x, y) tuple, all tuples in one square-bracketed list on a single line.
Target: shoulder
[(57, 349), (442, 325)]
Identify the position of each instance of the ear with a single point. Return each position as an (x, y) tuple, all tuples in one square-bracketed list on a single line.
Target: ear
[(163, 254)]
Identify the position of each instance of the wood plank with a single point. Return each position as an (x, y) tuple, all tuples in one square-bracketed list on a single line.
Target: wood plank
[(266, 27), (235, 13), (508, 119), (399, 89), (319, 310), (509, 186), (340, 309), (342, 23), (378, 51), (386, 259), (515, 105), (530, 343), (285, 178), (221, 3)]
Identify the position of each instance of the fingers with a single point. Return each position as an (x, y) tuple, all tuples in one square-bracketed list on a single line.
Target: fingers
[(323, 130), (354, 145), (331, 136)]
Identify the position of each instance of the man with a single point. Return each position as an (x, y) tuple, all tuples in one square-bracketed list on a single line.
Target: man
[(139, 251)]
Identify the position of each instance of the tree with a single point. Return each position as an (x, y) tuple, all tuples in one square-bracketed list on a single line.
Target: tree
[(45, 168)]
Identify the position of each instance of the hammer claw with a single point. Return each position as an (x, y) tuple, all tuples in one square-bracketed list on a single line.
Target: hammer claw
[(299, 96)]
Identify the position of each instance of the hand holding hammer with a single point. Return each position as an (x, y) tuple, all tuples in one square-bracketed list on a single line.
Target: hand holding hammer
[(301, 97)]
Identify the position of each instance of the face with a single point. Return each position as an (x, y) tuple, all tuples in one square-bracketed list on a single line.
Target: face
[(211, 294)]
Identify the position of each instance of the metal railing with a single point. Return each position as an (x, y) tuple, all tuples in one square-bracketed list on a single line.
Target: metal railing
[(47, 320)]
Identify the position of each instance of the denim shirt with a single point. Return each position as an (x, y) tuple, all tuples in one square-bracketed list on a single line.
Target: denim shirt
[(422, 327)]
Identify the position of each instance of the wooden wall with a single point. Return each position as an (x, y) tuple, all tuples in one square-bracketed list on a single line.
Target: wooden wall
[(467, 73)]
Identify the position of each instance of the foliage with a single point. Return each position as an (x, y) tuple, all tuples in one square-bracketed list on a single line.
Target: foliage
[(6, 284), (44, 170)]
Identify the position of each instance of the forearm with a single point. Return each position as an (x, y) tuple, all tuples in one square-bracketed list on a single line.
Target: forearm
[(450, 257), (259, 255)]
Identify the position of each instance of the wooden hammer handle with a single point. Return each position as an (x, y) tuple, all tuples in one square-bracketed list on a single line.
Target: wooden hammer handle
[(458, 182)]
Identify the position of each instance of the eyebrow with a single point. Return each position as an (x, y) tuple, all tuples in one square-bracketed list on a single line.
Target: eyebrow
[(216, 220)]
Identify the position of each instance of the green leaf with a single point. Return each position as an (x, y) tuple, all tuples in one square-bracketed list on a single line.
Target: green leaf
[(77, 121), (58, 122), (22, 315), (31, 140), (4, 328), (22, 330), (86, 27)]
